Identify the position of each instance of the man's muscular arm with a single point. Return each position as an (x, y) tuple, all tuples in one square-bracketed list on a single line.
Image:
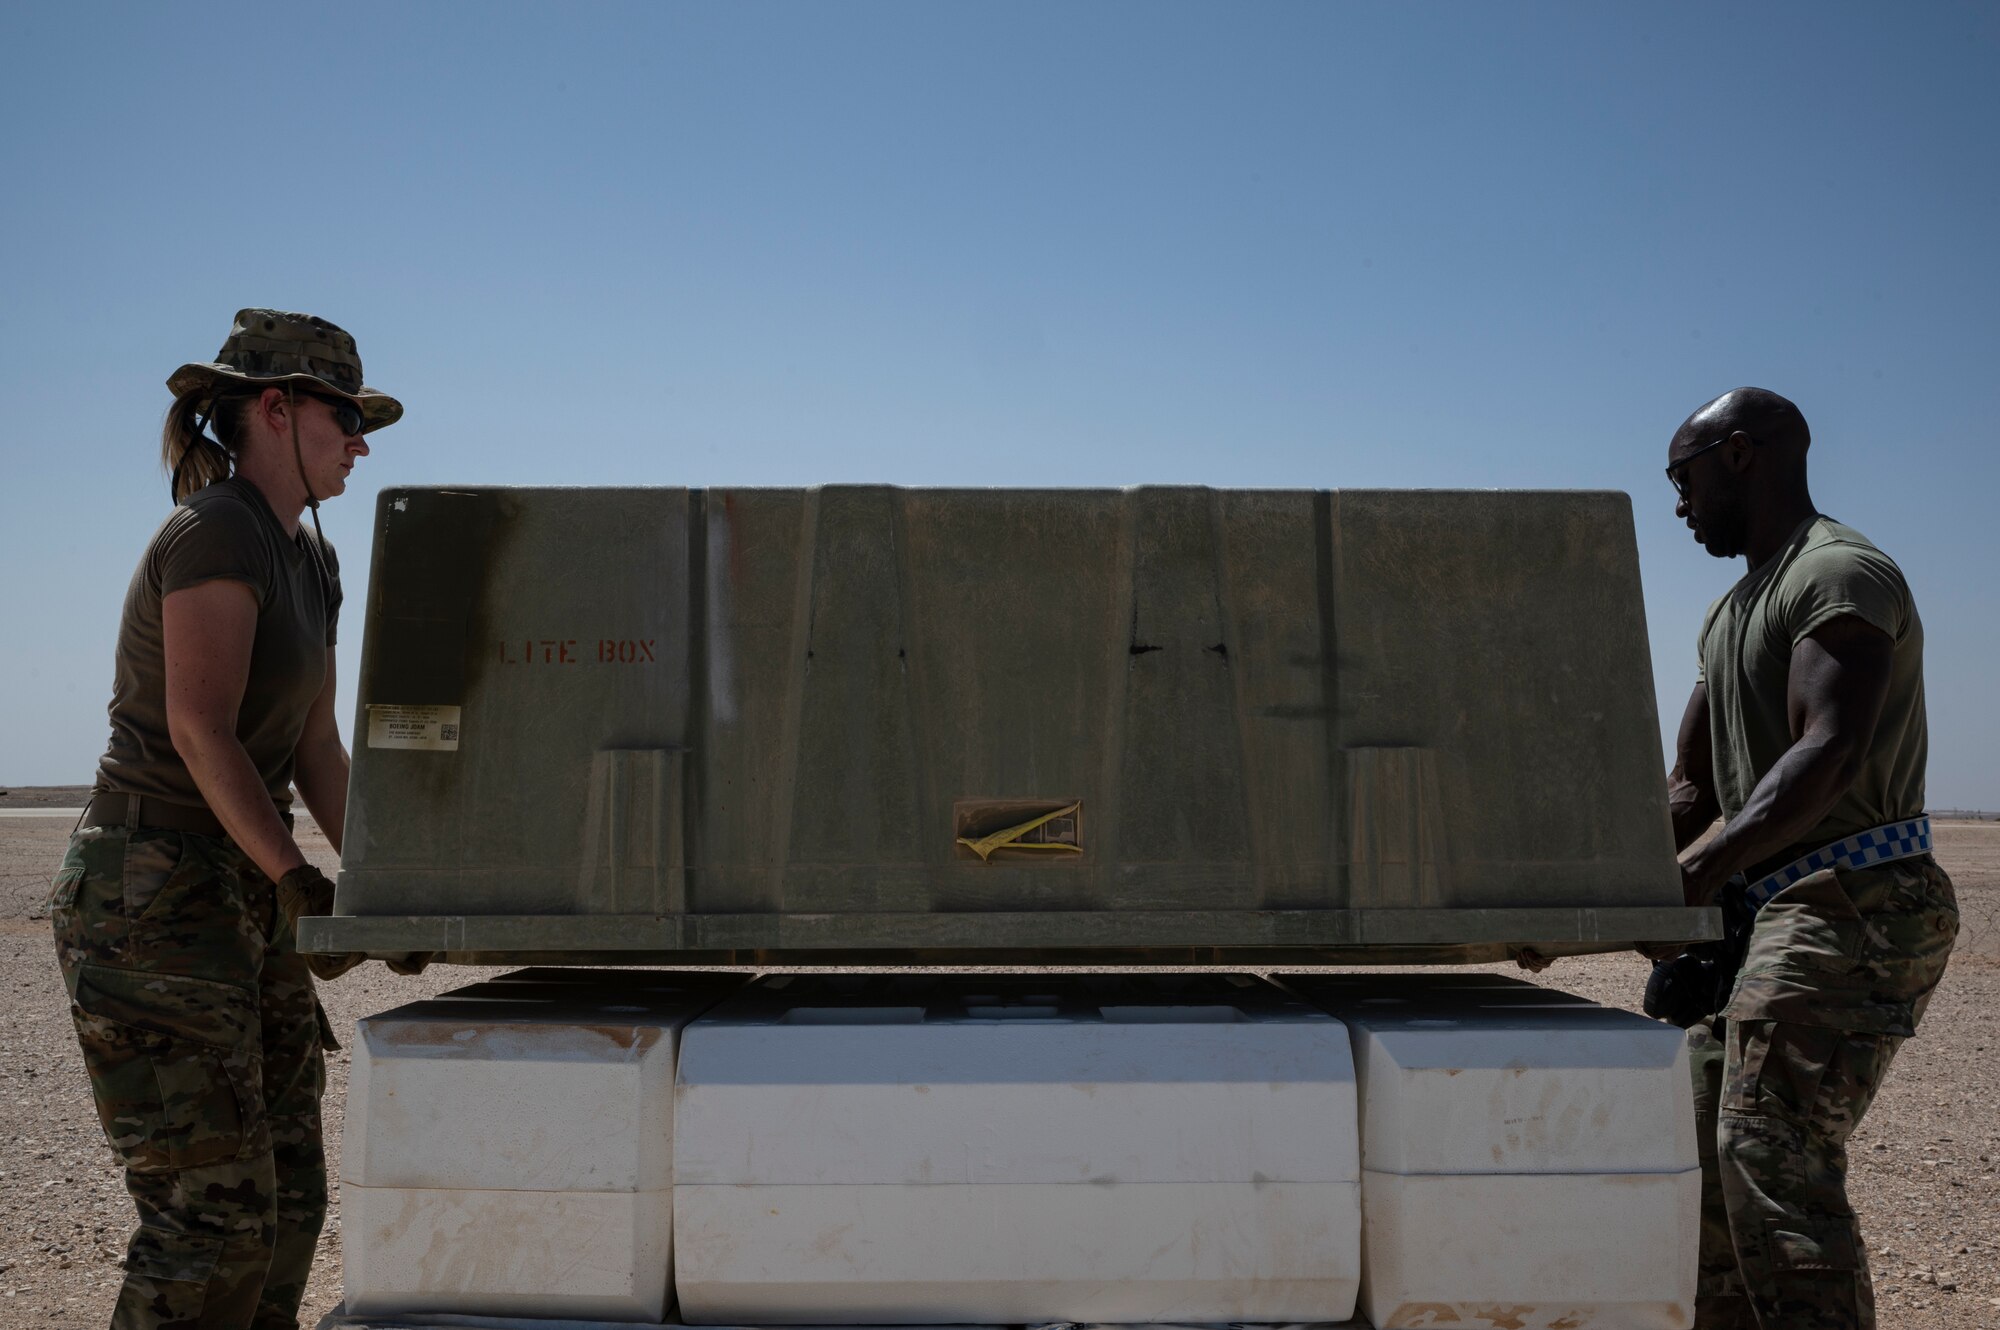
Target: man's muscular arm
[(1834, 693), (1691, 784)]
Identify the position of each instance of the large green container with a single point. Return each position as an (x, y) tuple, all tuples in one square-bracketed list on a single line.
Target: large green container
[(865, 724)]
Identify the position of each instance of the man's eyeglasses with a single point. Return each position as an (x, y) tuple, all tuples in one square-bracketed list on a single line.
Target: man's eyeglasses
[(1674, 470), (348, 416)]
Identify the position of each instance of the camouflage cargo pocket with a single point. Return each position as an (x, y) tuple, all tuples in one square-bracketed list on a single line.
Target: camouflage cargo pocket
[(1914, 936), (184, 911), (1805, 1245), (157, 865), (85, 884), (170, 1272), (1812, 925), (1814, 1078), (174, 1065), (181, 1257), (62, 891)]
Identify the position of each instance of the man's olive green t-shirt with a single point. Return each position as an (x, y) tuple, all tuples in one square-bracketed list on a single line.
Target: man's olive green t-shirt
[(1826, 570), (224, 530)]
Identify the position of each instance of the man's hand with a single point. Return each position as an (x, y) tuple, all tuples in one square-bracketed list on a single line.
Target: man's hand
[(1701, 879)]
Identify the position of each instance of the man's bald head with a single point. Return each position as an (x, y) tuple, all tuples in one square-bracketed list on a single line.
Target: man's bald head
[(1739, 465), (1769, 419)]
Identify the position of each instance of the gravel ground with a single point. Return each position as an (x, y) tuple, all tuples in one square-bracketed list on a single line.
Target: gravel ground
[(1926, 1163)]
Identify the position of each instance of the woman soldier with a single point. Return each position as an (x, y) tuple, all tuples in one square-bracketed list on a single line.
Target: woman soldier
[(174, 909)]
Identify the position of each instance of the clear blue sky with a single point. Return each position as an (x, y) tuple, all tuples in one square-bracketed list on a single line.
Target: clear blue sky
[(1257, 245)]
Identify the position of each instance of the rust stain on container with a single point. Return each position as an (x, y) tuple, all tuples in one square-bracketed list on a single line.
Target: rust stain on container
[(1415, 1315), (1505, 1318)]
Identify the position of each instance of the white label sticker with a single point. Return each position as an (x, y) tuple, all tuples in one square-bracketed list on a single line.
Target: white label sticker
[(432, 728)]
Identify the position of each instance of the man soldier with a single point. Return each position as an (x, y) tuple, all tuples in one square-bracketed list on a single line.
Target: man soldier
[(1806, 734)]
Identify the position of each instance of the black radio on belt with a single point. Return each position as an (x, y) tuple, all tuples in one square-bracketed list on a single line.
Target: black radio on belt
[(1695, 985)]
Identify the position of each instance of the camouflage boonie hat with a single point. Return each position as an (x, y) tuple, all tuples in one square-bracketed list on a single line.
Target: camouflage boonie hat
[(269, 346)]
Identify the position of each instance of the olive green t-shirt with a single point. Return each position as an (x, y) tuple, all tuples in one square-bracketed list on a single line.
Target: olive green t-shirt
[(1825, 571), (224, 530)]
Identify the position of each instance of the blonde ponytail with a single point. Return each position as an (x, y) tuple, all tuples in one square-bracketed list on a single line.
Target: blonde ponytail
[(190, 457)]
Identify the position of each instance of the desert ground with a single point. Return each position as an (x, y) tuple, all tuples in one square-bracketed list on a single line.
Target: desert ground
[(1926, 1162)]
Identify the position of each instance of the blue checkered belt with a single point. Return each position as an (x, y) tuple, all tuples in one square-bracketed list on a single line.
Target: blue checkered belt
[(1864, 849)]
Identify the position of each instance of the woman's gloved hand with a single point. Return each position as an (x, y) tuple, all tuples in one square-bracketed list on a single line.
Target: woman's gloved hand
[(303, 892)]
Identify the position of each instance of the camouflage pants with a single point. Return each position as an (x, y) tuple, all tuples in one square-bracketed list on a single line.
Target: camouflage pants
[(1839, 970), (203, 1042)]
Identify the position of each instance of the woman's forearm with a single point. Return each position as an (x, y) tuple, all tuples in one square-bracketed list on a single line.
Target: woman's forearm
[(235, 793), (320, 770)]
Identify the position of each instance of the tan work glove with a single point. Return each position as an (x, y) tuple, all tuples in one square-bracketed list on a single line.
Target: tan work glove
[(1531, 960), (306, 891)]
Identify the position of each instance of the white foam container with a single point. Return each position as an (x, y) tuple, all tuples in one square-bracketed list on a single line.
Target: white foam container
[(512, 1155), (938, 1149), (1522, 1155)]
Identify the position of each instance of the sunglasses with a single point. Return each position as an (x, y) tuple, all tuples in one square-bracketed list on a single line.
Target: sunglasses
[(1674, 471), (346, 414)]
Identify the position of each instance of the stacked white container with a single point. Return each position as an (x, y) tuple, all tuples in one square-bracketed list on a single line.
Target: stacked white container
[(1526, 1156), (937, 1149), (509, 1149)]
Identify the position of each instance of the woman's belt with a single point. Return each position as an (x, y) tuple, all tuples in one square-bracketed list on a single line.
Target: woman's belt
[(1864, 849), (111, 808)]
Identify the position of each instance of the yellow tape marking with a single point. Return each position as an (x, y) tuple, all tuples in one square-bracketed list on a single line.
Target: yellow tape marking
[(1007, 839)]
